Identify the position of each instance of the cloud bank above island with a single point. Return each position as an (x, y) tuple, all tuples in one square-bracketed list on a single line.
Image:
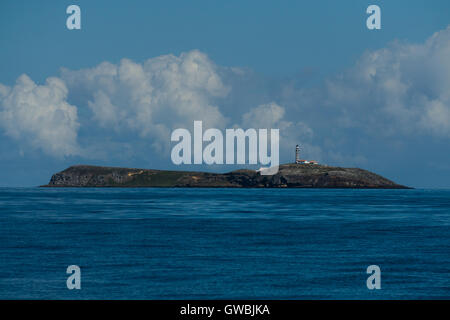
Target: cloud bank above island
[(397, 92)]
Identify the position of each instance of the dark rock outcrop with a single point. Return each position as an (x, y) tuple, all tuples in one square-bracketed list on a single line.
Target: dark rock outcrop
[(288, 176)]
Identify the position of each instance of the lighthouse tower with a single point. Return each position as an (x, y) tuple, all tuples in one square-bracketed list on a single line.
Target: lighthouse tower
[(297, 154)]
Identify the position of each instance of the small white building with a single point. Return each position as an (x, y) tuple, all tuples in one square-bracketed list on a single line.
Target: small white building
[(301, 161)]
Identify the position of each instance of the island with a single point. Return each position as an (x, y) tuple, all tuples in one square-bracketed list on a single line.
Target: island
[(289, 176)]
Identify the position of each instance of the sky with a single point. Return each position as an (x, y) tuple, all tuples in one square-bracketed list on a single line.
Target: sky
[(112, 92)]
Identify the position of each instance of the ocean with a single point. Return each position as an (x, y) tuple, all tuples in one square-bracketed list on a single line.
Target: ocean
[(224, 243)]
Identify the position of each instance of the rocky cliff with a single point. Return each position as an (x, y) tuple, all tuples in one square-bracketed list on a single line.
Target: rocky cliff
[(288, 176)]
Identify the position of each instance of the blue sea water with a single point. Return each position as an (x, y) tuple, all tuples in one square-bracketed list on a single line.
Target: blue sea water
[(224, 243)]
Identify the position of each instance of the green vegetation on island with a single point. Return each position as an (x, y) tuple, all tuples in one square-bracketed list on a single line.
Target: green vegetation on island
[(288, 176)]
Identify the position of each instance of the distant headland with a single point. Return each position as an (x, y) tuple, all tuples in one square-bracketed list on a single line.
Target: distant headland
[(295, 175)]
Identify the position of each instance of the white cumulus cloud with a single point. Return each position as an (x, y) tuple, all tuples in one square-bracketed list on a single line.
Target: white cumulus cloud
[(154, 97), (403, 88), (39, 117)]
